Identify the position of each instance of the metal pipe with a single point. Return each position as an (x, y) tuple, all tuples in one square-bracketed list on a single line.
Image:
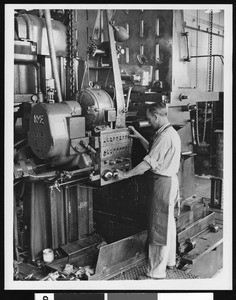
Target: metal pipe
[(63, 89), (143, 124), (213, 72), (32, 222), (39, 92), (29, 27), (16, 239), (66, 191), (73, 181), (208, 55), (52, 53), (192, 121), (186, 34), (72, 173), (42, 176), (52, 174), (201, 30), (211, 133), (120, 102), (18, 143), (128, 98)]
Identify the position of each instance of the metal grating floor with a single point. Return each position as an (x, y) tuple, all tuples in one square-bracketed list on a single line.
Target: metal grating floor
[(141, 268)]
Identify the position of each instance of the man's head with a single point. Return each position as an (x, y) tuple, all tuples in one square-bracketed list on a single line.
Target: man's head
[(157, 115)]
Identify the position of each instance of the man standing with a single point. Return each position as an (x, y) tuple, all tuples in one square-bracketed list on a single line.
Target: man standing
[(161, 165)]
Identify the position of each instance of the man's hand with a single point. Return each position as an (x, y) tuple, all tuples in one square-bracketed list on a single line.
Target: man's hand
[(121, 174), (135, 133)]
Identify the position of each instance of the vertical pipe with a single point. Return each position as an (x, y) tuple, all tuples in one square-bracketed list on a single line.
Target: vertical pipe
[(80, 216), (52, 53), (213, 74), (120, 101), (76, 16), (35, 80), (157, 52), (76, 63), (157, 27), (32, 222), (212, 111), (127, 55), (39, 92), (156, 75), (127, 28), (211, 134), (141, 50), (16, 241), (53, 211), (62, 76), (90, 209), (141, 28), (66, 214), (102, 26)]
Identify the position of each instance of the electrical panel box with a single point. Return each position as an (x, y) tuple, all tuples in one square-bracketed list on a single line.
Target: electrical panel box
[(115, 153)]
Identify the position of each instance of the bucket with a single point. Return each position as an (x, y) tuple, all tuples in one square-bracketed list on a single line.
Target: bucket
[(48, 255)]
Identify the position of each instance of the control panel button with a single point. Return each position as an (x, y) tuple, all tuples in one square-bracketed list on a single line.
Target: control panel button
[(119, 159), (115, 174), (107, 175)]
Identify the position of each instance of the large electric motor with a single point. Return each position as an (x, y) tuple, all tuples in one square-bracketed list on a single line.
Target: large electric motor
[(98, 107), (57, 132)]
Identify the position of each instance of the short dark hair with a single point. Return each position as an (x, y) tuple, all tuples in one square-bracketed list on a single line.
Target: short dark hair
[(158, 108)]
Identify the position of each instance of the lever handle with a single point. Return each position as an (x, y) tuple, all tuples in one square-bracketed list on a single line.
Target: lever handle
[(87, 146), (188, 58)]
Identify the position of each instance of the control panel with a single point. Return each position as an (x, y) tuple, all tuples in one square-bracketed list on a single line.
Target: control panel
[(115, 153)]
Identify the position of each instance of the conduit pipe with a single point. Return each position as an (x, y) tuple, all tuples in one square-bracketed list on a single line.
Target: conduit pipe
[(52, 53)]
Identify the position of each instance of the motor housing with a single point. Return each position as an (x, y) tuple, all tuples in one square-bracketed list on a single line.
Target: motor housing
[(53, 129), (97, 107)]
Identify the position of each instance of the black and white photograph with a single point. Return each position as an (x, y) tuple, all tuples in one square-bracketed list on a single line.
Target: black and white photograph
[(118, 129)]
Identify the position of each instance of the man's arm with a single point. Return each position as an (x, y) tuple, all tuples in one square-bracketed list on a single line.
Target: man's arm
[(144, 142), (138, 170), (137, 135)]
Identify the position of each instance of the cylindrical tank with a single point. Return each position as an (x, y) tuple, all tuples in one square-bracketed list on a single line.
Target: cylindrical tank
[(33, 28), (48, 134), (94, 103)]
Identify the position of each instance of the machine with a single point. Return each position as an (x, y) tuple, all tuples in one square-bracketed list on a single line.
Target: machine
[(81, 78)]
